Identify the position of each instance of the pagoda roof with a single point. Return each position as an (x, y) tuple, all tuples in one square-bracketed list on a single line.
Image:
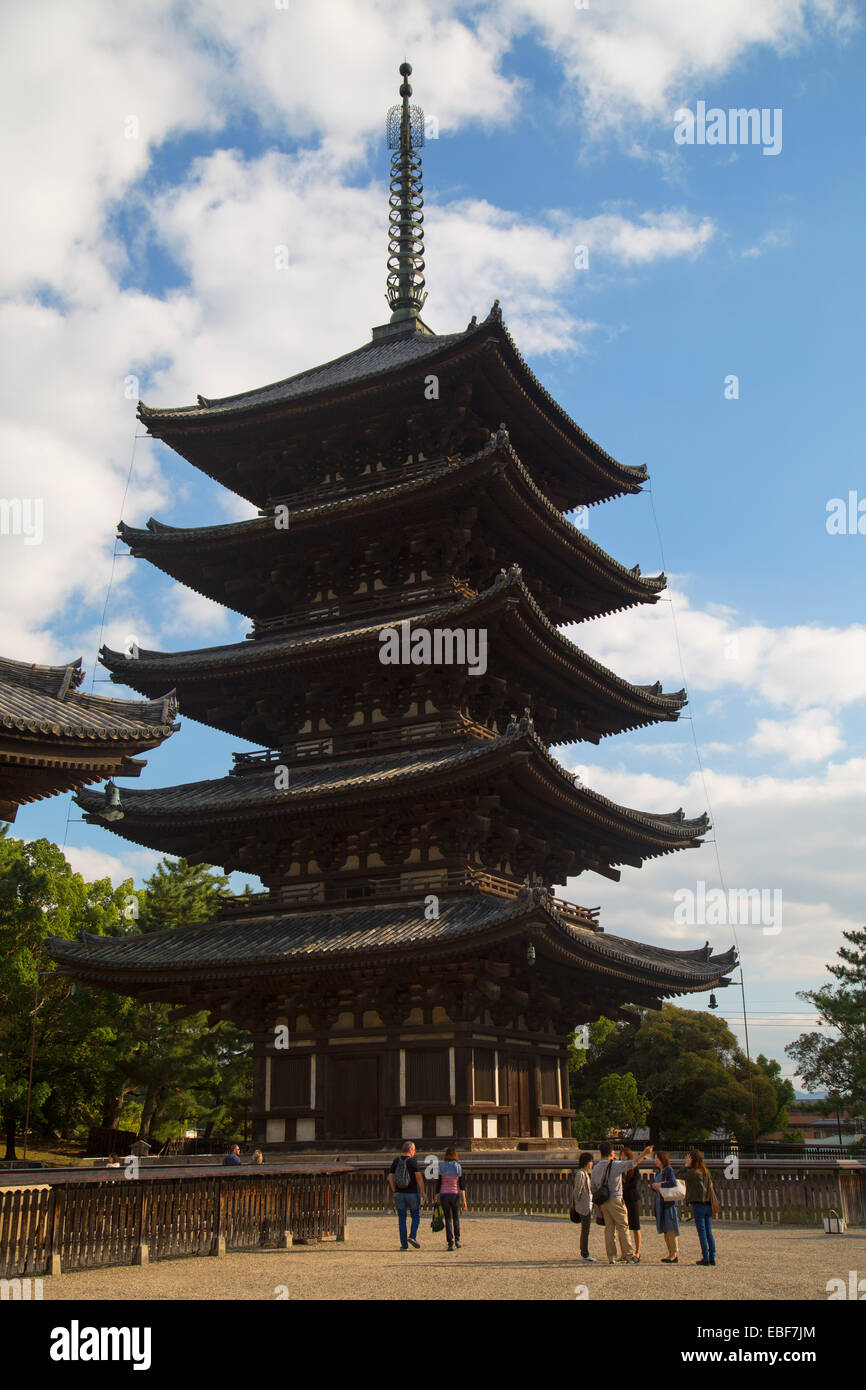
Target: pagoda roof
[(360, 378), (54, 737), (180, 551), (279, 944), (156, 817), (541, 644)]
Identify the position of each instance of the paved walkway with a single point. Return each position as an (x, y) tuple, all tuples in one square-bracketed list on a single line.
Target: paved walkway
[(501, 1258)]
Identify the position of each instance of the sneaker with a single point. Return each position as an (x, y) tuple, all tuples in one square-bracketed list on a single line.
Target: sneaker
[(712, 1262), (702, 1262), (415, 1243), (457, 1243), (589, 1259), (403, 1249), (450, 1247), (633, 1260)]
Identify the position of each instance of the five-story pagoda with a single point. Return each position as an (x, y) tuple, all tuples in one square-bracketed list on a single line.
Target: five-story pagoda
[(407, 973)]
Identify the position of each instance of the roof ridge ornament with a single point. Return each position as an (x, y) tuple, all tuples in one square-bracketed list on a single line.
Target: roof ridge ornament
[(404, 128)]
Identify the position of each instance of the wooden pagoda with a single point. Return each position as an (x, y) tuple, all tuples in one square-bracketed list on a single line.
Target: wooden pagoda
[(408, 971), (55, 737)]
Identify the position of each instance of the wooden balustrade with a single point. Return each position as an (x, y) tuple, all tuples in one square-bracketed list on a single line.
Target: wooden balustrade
[(66, 1222), (69, 1223), (769, 1194)]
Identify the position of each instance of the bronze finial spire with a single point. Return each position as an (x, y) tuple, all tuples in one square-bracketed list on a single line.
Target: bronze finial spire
[(405, 135)]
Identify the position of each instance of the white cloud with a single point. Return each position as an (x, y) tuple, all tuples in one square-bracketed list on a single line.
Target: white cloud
[(637, 59), (791, 667), (807, 738), (93, 864)]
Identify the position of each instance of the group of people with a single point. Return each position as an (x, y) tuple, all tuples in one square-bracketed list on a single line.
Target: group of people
[(611, 1187), (608, 1186)]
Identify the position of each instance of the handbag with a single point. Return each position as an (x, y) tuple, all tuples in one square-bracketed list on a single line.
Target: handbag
[(574, 1214), (715, 1205), (438, 1222), (602, 1192), (675, 1193), (834, 1224)]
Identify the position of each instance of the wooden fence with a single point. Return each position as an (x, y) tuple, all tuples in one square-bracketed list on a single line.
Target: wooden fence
[(775, 1193), (67, 1224)]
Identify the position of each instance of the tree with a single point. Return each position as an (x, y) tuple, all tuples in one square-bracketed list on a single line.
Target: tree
[(65, 1026), (617, 1105), (785, 1093), (690, 1067), (837, 1063), (173, 1063)]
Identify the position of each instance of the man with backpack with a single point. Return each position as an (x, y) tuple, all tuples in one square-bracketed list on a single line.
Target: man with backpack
[(606, 1186), (406, 1181)]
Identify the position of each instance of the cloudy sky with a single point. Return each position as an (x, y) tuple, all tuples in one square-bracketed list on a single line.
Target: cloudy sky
[(159, 154)]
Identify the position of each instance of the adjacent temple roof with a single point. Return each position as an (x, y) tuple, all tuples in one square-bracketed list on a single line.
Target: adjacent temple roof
[(53, 737), (277, 943)]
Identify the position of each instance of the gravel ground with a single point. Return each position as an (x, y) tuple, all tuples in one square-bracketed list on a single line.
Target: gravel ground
[(513, 1257)]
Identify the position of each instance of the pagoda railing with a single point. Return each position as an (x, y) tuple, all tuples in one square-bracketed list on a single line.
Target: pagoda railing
[(398, 886), (365, 482), (358, 744), (508, 888), (364, 603)]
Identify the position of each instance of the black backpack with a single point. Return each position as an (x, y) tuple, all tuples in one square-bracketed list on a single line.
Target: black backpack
[(602, 1192), (401, 1172)]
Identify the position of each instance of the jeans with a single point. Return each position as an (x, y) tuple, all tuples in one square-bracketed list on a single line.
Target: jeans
[(407, 1201), (703, 1214), (450, 1203), (585, 1224)]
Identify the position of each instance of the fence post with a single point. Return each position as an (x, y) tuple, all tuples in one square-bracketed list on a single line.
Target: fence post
[(142, 1253), (219, 1243), (57, 1198), (285, 1240)]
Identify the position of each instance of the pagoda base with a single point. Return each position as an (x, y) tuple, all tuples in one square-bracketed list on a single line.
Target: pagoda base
[(435, 1081)]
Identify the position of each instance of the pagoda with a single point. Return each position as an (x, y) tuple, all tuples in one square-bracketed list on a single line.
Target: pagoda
[(407, 972)]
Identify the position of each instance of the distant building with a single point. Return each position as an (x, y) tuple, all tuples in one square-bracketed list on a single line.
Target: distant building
[(55, 738)]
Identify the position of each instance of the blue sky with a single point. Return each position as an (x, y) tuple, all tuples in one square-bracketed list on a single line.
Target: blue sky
[(160, 158)]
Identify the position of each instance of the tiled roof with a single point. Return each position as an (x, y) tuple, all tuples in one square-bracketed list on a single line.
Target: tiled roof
[(325, 937), (308, 938), (159, 539), (43, 700), (295, 646), (256, 793), (381, 357)]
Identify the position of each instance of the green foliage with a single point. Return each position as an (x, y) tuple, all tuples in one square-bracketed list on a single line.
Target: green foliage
[(784, 1089), (96, 1054), (689, 1066), (68, 1026), (837, 1063), (617, 1105)]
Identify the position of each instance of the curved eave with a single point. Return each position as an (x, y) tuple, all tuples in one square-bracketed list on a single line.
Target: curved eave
[(253, 797), (280, 401), (180, 551), (507, 601), (285, 945)]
